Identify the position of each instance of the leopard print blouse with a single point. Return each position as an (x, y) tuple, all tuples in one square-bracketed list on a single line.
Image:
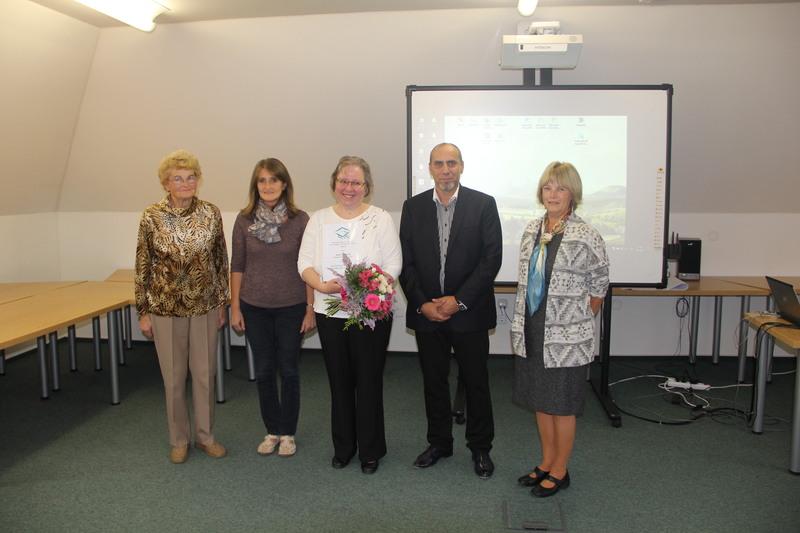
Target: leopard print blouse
[(181, 260)]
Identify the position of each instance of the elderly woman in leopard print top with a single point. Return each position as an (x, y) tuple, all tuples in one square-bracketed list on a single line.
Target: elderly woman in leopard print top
[(181, 288)]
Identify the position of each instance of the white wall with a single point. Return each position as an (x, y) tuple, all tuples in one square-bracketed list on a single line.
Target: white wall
[(309, 89), (44, 60)]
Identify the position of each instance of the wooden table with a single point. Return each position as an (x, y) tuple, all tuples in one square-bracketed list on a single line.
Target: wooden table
[(718, 287), (787, 336), (706, 286), (44, 314), (123, 275), (126, 275), (10, 292)]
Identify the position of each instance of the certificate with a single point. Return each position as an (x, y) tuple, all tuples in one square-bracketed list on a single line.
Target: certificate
[(342, 238)]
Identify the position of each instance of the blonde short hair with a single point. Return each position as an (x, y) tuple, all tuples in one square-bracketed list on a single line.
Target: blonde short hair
[(565, 175), (353, 161), (178, 160)]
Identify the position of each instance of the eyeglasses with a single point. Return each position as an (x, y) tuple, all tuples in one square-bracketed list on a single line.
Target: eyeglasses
[(348, 183), (451, 163), (190, 180)]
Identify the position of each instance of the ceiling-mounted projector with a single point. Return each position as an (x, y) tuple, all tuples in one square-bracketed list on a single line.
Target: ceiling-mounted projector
[(539, 45)]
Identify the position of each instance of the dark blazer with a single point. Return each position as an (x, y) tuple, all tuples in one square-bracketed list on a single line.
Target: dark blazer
[(474, 254)]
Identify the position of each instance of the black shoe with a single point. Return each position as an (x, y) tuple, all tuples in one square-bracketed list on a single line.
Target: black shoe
[(484, 466), (543, 492), (369, 467), (430, 456), (459, 418), (531, 481), (339, 463)]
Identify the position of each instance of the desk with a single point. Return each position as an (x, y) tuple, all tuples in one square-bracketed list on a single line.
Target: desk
[(45, 313), (706, 286), (789, 338), (717, 287), (123, 275), (11, 292), (126, 275)]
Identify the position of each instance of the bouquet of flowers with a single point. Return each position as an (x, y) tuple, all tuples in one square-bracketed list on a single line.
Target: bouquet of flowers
[(366, 295)]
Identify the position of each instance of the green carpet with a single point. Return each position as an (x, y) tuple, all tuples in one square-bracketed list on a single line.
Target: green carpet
[(76, 463)]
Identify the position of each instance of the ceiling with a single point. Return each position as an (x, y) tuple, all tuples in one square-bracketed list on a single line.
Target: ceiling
[(196, 10)]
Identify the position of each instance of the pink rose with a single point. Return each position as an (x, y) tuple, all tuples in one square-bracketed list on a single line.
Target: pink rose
[(372, 302), (343, 294), (363, 278)]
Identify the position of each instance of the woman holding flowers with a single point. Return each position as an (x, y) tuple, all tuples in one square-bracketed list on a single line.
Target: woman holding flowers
[(353, 308)]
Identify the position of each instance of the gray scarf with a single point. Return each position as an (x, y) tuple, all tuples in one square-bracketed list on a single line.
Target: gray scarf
[(268, 221)]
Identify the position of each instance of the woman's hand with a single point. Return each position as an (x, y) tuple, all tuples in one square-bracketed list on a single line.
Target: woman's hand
[(237, 320), (146, 326), (330, 287), (309, 320)]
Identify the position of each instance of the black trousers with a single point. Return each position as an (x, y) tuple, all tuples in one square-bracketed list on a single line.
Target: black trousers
[(355, 360), (274, 335), (471, 351)]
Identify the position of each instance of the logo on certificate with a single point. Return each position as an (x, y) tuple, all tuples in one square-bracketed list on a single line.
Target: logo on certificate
[(343, 232)]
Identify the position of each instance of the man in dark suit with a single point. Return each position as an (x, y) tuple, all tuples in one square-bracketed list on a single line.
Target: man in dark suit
[(452, 249)]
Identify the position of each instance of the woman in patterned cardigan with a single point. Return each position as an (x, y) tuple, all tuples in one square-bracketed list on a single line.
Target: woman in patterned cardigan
[(181, 293), (563, 277)]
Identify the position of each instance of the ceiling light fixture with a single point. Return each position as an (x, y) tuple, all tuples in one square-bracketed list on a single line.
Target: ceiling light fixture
[(527, 7), (136, 13)]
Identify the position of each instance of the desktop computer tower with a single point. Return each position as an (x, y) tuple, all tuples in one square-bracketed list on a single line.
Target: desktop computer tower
[(689, 262)]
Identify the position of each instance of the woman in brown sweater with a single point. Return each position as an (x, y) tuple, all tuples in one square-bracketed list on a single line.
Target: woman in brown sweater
[(270, 303)]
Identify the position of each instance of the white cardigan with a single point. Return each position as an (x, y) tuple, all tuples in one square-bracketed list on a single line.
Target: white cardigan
[(379, 244), (580, 270)]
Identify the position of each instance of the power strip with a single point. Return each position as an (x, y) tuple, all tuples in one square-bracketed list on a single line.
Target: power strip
[(675, 384)]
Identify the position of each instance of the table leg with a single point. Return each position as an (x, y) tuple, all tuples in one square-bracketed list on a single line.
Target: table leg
[(98, 363), (2, 362), (770, 343), (220, 379), (794, 463), (128, 328), (251, 364), (743, 331), (760, 384), (54, 370), (717, 329), (41, 350), (73, 358), (120, 346), (695, 320), (113, 356), (226, 339)]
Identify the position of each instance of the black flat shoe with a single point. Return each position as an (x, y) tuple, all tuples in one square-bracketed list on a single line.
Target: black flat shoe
[(531, 481), (543, 492), (339, 463), (484, 467), (430, 456), (369, 467)]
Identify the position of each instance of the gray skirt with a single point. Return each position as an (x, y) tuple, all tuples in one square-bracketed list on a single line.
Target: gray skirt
[(555, 391)]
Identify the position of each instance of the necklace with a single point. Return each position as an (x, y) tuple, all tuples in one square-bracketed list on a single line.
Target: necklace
[(547, 236)]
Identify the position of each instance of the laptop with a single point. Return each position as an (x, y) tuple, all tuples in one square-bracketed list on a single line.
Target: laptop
[(785, 300)]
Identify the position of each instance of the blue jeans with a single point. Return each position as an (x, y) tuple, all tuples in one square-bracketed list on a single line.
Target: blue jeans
[(274, 336)]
